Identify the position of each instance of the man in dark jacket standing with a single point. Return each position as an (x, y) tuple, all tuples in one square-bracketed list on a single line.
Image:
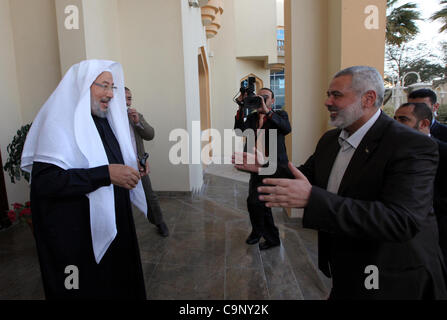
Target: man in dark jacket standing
[(419, 117), (141, 130), (261, 122), (368, 190)]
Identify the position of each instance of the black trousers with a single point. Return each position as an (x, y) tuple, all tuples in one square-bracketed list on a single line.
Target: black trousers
[(260, 216)]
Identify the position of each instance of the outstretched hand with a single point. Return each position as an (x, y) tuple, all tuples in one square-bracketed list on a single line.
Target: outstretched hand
[(248, 161), (287, 193)]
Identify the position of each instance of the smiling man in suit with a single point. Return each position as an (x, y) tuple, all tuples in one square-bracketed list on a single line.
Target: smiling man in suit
[(368, 190)]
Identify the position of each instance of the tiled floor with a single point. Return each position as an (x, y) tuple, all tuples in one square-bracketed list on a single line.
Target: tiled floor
[(205, 257)]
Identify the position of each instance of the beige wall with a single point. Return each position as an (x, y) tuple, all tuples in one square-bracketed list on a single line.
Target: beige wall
[(72, 46), (255, 22), (306, 71), (355, 37), (36, 53), (280, 12), (223, 73), (227, 69), (194, 37), (101, 25), (11, 118), (335, 36), (154, 65)]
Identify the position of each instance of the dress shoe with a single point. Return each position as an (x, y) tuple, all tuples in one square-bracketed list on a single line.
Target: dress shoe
[(252, 240), (163, 229), (267, 245)]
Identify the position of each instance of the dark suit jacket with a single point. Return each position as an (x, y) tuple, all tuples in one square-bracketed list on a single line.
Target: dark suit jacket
[(279, 120), (145, 132), (381, 216), (440, 196), (439, 131)]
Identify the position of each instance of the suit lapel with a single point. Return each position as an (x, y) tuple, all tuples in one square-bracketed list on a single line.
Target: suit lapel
[(364, 151)]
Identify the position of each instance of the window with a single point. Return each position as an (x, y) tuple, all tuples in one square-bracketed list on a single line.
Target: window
[(277, 84)]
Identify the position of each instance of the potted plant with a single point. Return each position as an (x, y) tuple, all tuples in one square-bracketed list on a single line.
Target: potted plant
[(15, 148), (19, 212)]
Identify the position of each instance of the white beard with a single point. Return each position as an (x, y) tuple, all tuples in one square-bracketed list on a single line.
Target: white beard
[(96, 109), (348, 116)]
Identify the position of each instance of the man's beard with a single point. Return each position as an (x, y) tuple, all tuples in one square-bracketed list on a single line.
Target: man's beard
[(346, 117), (96, 109)]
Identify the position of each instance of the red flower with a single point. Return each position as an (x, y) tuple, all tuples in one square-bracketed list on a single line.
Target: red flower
[(17, 206), (25, 212), (28, 204), (12, 216)]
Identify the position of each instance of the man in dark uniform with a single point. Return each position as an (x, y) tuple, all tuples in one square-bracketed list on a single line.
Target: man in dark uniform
[(82, 216)]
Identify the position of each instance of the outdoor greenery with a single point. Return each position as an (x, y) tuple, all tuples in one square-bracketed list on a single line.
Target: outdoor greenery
[(401, 22), (403, 59), (441, 15), (402, 56), (15, 148), (389, 110)]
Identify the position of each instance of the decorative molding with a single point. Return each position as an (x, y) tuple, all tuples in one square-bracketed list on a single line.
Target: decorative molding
[(209, 12)]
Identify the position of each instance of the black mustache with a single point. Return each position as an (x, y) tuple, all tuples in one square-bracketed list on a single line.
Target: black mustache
[(332, 108)]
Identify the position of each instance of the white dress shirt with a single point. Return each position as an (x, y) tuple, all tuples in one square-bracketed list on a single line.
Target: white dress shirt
[(348, 145)]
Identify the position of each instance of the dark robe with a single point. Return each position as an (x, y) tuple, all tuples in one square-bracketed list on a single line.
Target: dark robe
[(61, 219)]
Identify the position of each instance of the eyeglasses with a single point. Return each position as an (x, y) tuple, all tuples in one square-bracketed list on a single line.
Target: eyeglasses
[(106, 87)]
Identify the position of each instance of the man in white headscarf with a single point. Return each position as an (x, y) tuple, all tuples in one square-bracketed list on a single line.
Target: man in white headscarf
[(84, 177)]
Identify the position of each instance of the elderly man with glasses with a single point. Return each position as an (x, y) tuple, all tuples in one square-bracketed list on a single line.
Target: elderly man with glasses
[(84, 178)]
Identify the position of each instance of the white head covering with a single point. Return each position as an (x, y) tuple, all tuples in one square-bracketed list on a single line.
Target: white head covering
[(64, 134)]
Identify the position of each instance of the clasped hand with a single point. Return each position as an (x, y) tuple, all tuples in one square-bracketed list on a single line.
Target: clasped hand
[(124, 176)]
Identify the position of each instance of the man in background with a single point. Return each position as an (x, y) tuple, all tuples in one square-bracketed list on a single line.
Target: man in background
[(141, 130), (261, 121), (419, 117), (427, 96)]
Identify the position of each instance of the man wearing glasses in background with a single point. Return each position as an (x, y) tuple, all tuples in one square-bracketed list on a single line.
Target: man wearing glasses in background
[(141, 130)]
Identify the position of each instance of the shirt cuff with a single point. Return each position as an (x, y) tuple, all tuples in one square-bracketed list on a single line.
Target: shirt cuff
[(100, 176)]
